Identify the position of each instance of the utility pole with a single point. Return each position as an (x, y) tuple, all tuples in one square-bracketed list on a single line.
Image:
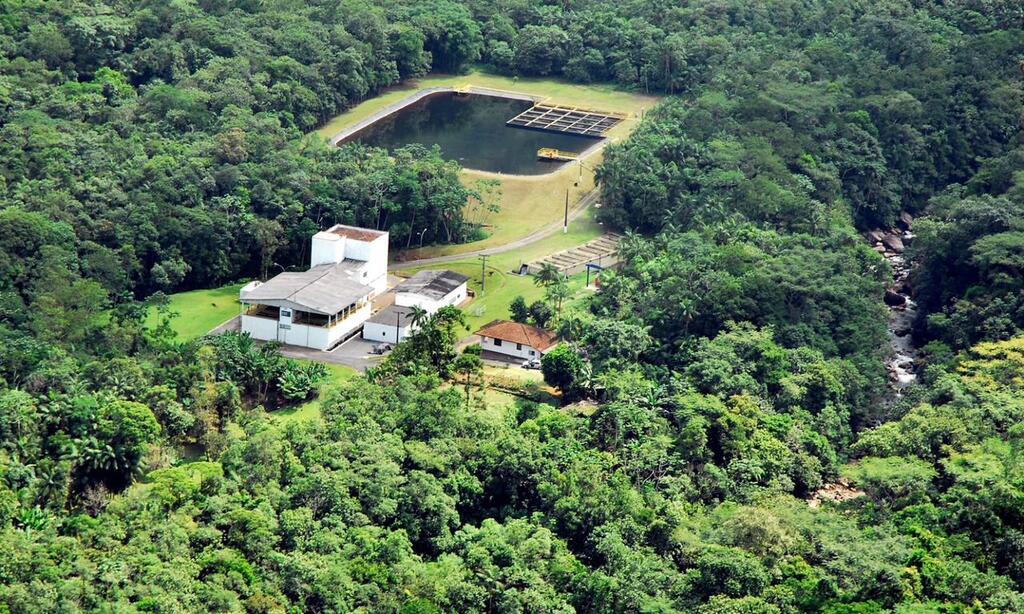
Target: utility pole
[(565, 223), (398, 326), (483, 272)]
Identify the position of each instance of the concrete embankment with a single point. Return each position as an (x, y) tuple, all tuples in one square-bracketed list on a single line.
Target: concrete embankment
[(354, 129)]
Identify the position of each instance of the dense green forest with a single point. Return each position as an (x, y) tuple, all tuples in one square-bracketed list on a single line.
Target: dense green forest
[(732, 369)]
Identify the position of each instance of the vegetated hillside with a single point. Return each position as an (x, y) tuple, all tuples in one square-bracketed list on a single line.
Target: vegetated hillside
[(735, 359), (162, 141)]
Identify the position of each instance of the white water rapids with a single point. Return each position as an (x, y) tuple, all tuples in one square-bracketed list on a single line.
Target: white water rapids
[(902, 362)]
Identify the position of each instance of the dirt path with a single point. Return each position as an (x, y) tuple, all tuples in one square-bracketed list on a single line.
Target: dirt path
[(581, 206)]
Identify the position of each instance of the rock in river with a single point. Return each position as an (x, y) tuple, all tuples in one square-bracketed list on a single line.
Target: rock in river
[(894, 243), (893, 299), (905, 221)]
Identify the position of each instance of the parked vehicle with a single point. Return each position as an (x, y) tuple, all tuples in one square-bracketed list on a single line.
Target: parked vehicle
[(533, 363), (381, 348)]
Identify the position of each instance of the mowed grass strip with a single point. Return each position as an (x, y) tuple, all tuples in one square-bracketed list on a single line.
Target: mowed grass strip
[(200, 311), (526, 204)]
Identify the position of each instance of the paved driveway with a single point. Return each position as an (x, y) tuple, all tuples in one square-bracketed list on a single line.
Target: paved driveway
[(354, 353), (500, 360)]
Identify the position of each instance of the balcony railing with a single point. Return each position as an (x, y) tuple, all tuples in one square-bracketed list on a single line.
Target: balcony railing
[(263, 311), (304, 318)]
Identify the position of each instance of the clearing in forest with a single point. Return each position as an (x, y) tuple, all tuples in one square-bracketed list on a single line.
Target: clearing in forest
[(527, 202)]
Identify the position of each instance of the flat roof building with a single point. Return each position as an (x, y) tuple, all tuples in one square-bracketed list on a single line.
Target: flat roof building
[(320, 307), (428, 290), (389, 325)]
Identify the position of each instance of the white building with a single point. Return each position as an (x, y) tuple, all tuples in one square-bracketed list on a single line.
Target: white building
[(324, 305), (362, 249), (389, 325), (432, 290), (428, 290), (516, 339)]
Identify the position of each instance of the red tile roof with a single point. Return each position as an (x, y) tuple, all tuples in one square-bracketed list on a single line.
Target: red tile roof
[(352, 232), (514, 332)]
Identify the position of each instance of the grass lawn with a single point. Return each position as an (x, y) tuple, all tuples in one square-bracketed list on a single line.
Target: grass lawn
[(516, 373), (503, 285), (200, 311), (337, 375), (528, 202)]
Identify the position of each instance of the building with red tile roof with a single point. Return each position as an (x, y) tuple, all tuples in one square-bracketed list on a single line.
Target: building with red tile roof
[(516, 339)]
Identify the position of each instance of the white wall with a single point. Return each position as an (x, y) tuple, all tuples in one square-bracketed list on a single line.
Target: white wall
[(263, 329), (304, 336), (375, 253), (375, 331), (359, 250), (328, 248), (411, 299), (456, 296), (349, 324), (508, 348), (316, 337)]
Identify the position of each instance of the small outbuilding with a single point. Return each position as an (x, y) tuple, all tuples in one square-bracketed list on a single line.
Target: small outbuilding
[(427, 290), (389, 325), (432, 290), (516, 339)]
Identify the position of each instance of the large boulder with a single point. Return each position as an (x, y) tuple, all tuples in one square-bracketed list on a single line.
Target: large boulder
[(894, 299), (894, 243), (905, 221), (875, 236)]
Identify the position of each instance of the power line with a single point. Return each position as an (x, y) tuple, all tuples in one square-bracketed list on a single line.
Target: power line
[(483, 271)]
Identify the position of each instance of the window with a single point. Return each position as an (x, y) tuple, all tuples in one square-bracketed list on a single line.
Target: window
[(519, 346), (532, 353), (497, 342)]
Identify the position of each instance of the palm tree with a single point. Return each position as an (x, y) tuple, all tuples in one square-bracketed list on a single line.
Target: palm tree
[(558, 292), (417, 316), (547, 275), (469, 366)]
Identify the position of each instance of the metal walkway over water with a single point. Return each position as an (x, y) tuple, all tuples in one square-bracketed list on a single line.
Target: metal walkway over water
[(571, 120)]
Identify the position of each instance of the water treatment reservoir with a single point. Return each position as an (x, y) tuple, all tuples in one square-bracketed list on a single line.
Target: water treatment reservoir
[(471, 129)]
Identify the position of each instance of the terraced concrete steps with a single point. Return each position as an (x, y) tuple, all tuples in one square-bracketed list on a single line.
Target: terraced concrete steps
[(602, 251)]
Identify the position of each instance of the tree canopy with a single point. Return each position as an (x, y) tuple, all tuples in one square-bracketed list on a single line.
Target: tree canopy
[(716, 434)]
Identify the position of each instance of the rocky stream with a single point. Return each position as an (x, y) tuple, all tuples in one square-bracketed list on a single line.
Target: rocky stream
[(892, 243)]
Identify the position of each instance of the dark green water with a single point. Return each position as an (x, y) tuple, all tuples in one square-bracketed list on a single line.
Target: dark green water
[(471, 129)]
